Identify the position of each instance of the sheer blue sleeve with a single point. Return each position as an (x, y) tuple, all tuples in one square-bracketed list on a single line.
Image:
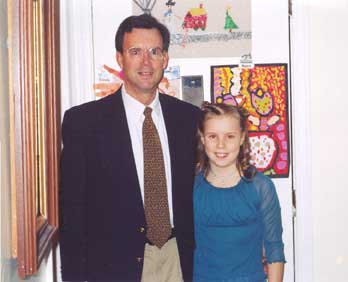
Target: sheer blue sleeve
[(271, 219)]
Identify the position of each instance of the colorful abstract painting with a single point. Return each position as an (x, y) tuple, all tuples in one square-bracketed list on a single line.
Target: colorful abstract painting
[(263, 91), (206, 28)]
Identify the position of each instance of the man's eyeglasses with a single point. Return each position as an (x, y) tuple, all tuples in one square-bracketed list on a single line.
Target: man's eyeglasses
[(155, 53)]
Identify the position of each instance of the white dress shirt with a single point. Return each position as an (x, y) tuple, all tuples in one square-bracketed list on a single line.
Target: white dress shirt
[(135, 119)]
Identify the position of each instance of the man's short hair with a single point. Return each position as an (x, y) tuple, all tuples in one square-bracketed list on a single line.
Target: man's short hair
[(142, 21)]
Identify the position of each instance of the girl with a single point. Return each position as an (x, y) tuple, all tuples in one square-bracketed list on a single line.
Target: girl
[(237, 212)]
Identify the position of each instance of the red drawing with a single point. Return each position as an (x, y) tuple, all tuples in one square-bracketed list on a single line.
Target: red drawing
[(195, 18), (263, 149)]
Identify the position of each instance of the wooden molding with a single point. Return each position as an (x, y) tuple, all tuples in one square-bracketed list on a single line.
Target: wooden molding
[(34, 232)]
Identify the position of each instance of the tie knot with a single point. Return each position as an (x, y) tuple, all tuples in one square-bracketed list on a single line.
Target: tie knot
[(147, 112)]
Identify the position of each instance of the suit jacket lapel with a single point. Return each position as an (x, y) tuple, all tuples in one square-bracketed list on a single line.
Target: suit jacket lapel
[(118, 142), (169, 115)]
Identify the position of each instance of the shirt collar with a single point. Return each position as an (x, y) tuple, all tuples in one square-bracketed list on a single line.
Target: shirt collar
[(136, 108)]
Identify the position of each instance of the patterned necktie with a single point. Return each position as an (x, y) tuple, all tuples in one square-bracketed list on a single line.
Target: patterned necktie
[(155, 186)]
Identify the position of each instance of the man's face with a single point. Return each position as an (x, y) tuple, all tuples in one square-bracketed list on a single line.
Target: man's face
[(142, 62)]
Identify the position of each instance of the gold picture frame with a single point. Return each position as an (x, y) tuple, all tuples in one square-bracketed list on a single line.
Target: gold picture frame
[(35, 127)]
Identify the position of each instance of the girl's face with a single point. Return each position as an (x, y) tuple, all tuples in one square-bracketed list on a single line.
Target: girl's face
[(222, 138)]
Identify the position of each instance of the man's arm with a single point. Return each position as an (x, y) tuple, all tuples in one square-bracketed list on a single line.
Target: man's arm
[(72, 202)]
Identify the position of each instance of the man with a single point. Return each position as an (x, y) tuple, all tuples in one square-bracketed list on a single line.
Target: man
[(106, 230)]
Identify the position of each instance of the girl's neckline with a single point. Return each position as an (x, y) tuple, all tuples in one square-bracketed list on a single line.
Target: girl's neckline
[(233, 187)]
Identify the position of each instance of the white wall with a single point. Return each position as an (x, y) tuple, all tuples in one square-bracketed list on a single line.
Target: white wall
[(329, 127), (320, 60), (76, 53)]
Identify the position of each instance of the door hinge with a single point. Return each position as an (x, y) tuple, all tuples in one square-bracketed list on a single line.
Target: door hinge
[(293, 203)]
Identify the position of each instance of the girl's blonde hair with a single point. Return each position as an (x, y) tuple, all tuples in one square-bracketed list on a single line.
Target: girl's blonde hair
[(211, 110)]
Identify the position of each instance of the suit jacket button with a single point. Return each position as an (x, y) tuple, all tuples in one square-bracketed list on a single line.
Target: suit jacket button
[(139, 259)]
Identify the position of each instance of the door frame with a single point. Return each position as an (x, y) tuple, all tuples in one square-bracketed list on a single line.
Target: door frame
[(302, 160)]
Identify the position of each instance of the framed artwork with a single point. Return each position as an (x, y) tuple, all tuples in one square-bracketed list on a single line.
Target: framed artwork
[(207, 28), (192, 89), (263, 91), (35, 131)]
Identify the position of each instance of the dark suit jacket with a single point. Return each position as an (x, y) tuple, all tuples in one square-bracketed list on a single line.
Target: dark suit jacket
[(102, 220)]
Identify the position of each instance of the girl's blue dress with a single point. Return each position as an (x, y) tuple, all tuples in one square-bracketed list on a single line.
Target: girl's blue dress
[(232, 226)]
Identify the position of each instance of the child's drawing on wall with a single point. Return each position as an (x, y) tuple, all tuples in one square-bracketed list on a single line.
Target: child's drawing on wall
[(229, 23), (110, 80), (196, 18), (204, 28), (145, 5), (262, 91), (170, 19)]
